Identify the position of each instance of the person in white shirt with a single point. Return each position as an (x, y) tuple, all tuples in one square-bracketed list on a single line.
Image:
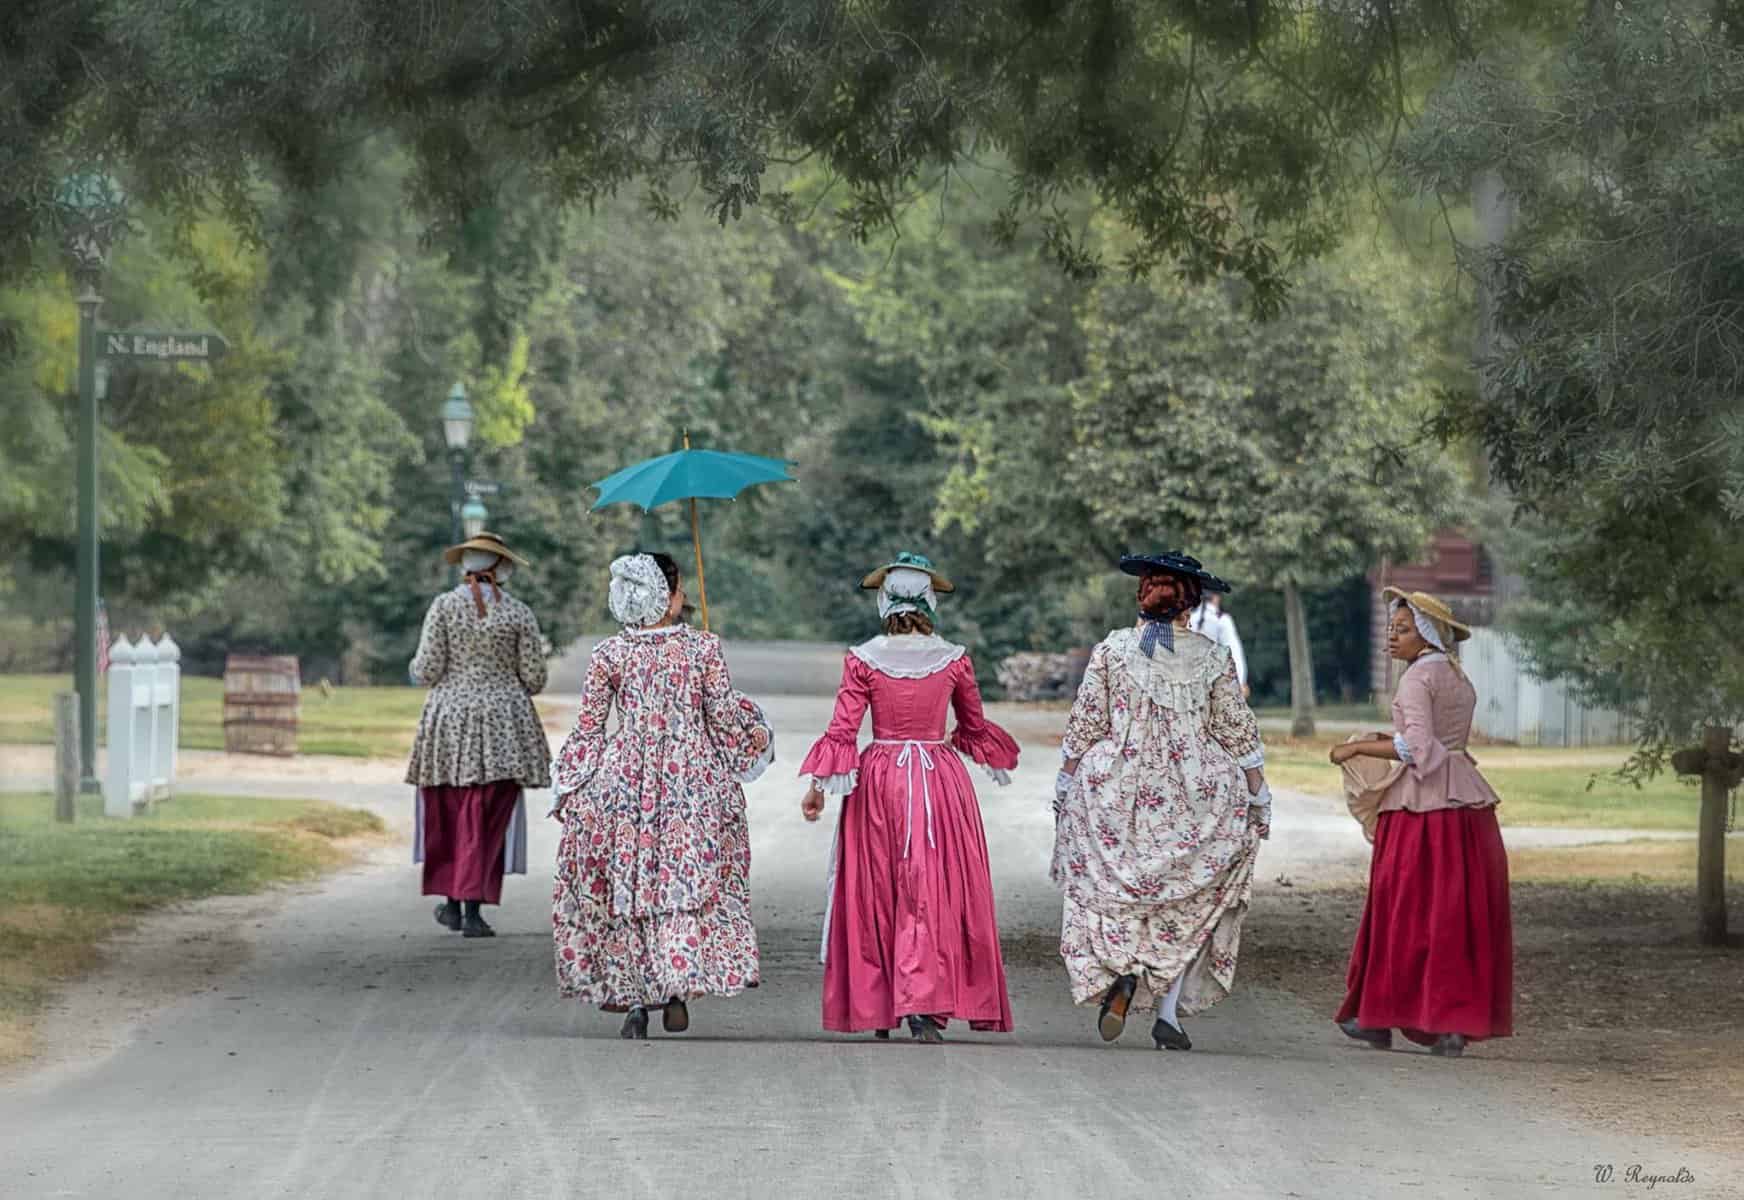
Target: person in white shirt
[(1210, 620)]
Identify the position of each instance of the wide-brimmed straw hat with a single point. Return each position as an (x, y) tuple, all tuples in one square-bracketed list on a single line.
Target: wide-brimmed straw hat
[(912, 562), (1430, 607), (486, 541), (1172, 562)]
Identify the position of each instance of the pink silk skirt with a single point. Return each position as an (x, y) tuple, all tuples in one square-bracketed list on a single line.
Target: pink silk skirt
[(911, 923)]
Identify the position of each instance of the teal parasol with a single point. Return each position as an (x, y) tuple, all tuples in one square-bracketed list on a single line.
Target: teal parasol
[(690, 475)]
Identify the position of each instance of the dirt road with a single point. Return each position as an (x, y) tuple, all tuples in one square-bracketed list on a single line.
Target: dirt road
[(337, 1042)]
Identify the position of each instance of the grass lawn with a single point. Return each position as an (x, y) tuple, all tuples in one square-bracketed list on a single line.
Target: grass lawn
[(365, 722), (1323, 712), (63, 888), (1538, 787)]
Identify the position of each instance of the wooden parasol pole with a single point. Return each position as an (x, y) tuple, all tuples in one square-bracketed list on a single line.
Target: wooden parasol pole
[(696, 544)]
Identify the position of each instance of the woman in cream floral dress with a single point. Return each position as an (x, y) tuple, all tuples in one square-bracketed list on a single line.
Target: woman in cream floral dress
[(652, 904), (1160, 810)]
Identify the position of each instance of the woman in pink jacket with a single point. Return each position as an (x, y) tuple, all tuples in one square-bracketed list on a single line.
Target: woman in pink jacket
[(1434, 954)]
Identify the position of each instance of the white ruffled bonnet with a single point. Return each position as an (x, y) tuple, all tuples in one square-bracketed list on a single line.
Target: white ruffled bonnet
[(639, 594)]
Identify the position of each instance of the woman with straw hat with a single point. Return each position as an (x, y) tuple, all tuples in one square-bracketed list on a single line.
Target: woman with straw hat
[(479, 741), (909, 924), (1434, 954)]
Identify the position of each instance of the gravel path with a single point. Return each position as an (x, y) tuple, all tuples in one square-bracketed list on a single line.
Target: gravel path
[(331, 1040)]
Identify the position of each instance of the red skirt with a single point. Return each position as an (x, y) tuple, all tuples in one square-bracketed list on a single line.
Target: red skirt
[(464, 830), (1434, 953)]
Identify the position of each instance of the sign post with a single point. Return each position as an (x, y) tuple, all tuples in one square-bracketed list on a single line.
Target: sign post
[(137, 345)]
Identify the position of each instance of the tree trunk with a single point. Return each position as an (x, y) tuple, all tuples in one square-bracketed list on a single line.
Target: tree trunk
[(1301, 664), (1496, 210), (1711, 849)]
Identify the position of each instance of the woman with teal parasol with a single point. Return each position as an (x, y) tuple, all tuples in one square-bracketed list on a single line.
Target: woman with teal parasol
[(652, 906)]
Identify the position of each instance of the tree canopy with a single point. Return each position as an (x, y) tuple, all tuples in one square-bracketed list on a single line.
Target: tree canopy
[(1608, 408), (1217, 132)]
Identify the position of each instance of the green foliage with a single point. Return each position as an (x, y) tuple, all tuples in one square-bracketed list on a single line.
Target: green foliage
[(1220, 134), (1278, 445), (1610, 411)]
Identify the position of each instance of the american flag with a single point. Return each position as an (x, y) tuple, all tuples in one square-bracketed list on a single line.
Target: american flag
[(102, 639)]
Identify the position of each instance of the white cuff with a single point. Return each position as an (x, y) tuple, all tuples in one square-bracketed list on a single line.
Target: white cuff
[(838, 785), (1402, 748), (565, 783), (761, 765), (1252, 762)]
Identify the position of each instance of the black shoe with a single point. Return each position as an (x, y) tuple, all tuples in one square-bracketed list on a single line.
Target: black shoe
[(1380, 1039), (925, 1029), (448, 913), (1111, 1018), (882, 1035), (1449, 1045), (1168, 1037), (635, 1028), (474, 926), (675, 1017)]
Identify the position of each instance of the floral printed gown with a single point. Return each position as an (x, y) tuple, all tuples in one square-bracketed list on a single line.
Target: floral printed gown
[(1155, 847), (652, 899)]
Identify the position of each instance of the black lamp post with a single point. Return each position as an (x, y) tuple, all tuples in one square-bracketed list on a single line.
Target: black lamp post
[(93, 214), (457, 432)]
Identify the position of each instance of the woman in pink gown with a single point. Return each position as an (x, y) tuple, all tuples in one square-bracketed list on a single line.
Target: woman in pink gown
[(909, 925)]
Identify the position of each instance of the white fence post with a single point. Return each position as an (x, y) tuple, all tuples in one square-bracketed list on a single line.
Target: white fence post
[(166, 716), (144, 720), (117, 783)]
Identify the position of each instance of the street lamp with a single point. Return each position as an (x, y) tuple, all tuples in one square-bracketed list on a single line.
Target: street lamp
[(92, 213), (473, 517), (457, 432), (457, 418)]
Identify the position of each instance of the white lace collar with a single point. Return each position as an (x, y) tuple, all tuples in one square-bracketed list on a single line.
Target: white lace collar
[(649, 630), (908, 655), (1180, 679)]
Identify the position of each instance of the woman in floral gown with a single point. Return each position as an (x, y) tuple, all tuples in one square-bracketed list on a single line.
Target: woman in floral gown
[(909, 926), (652, 905), (1159, 811)]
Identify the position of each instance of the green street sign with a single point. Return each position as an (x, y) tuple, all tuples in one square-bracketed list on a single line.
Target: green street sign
[(140, 345)]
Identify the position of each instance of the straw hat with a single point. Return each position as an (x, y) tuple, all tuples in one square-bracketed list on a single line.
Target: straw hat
[(912, 562), (1430, 607), (486, 541)]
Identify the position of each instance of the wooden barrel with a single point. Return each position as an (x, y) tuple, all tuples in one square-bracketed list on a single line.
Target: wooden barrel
[(262, 701)]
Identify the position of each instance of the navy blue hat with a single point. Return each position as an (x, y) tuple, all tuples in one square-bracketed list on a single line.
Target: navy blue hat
[(1172, 562)]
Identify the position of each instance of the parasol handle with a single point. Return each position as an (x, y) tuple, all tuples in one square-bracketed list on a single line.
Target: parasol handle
[(701, 582), (696, 543)]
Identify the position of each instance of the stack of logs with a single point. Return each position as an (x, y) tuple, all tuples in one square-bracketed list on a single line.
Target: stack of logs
[(1031, 676)]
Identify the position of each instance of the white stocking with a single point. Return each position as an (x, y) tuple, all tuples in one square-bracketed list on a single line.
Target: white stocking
[(1167, 1012)]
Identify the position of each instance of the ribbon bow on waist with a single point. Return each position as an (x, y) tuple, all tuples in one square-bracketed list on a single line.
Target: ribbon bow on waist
[(915, 754)]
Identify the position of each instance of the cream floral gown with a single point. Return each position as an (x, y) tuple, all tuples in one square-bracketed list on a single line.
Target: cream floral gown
[(1155, 845)]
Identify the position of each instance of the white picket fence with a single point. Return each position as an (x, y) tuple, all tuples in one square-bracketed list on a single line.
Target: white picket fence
[(145, 714), (1516, 706)]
